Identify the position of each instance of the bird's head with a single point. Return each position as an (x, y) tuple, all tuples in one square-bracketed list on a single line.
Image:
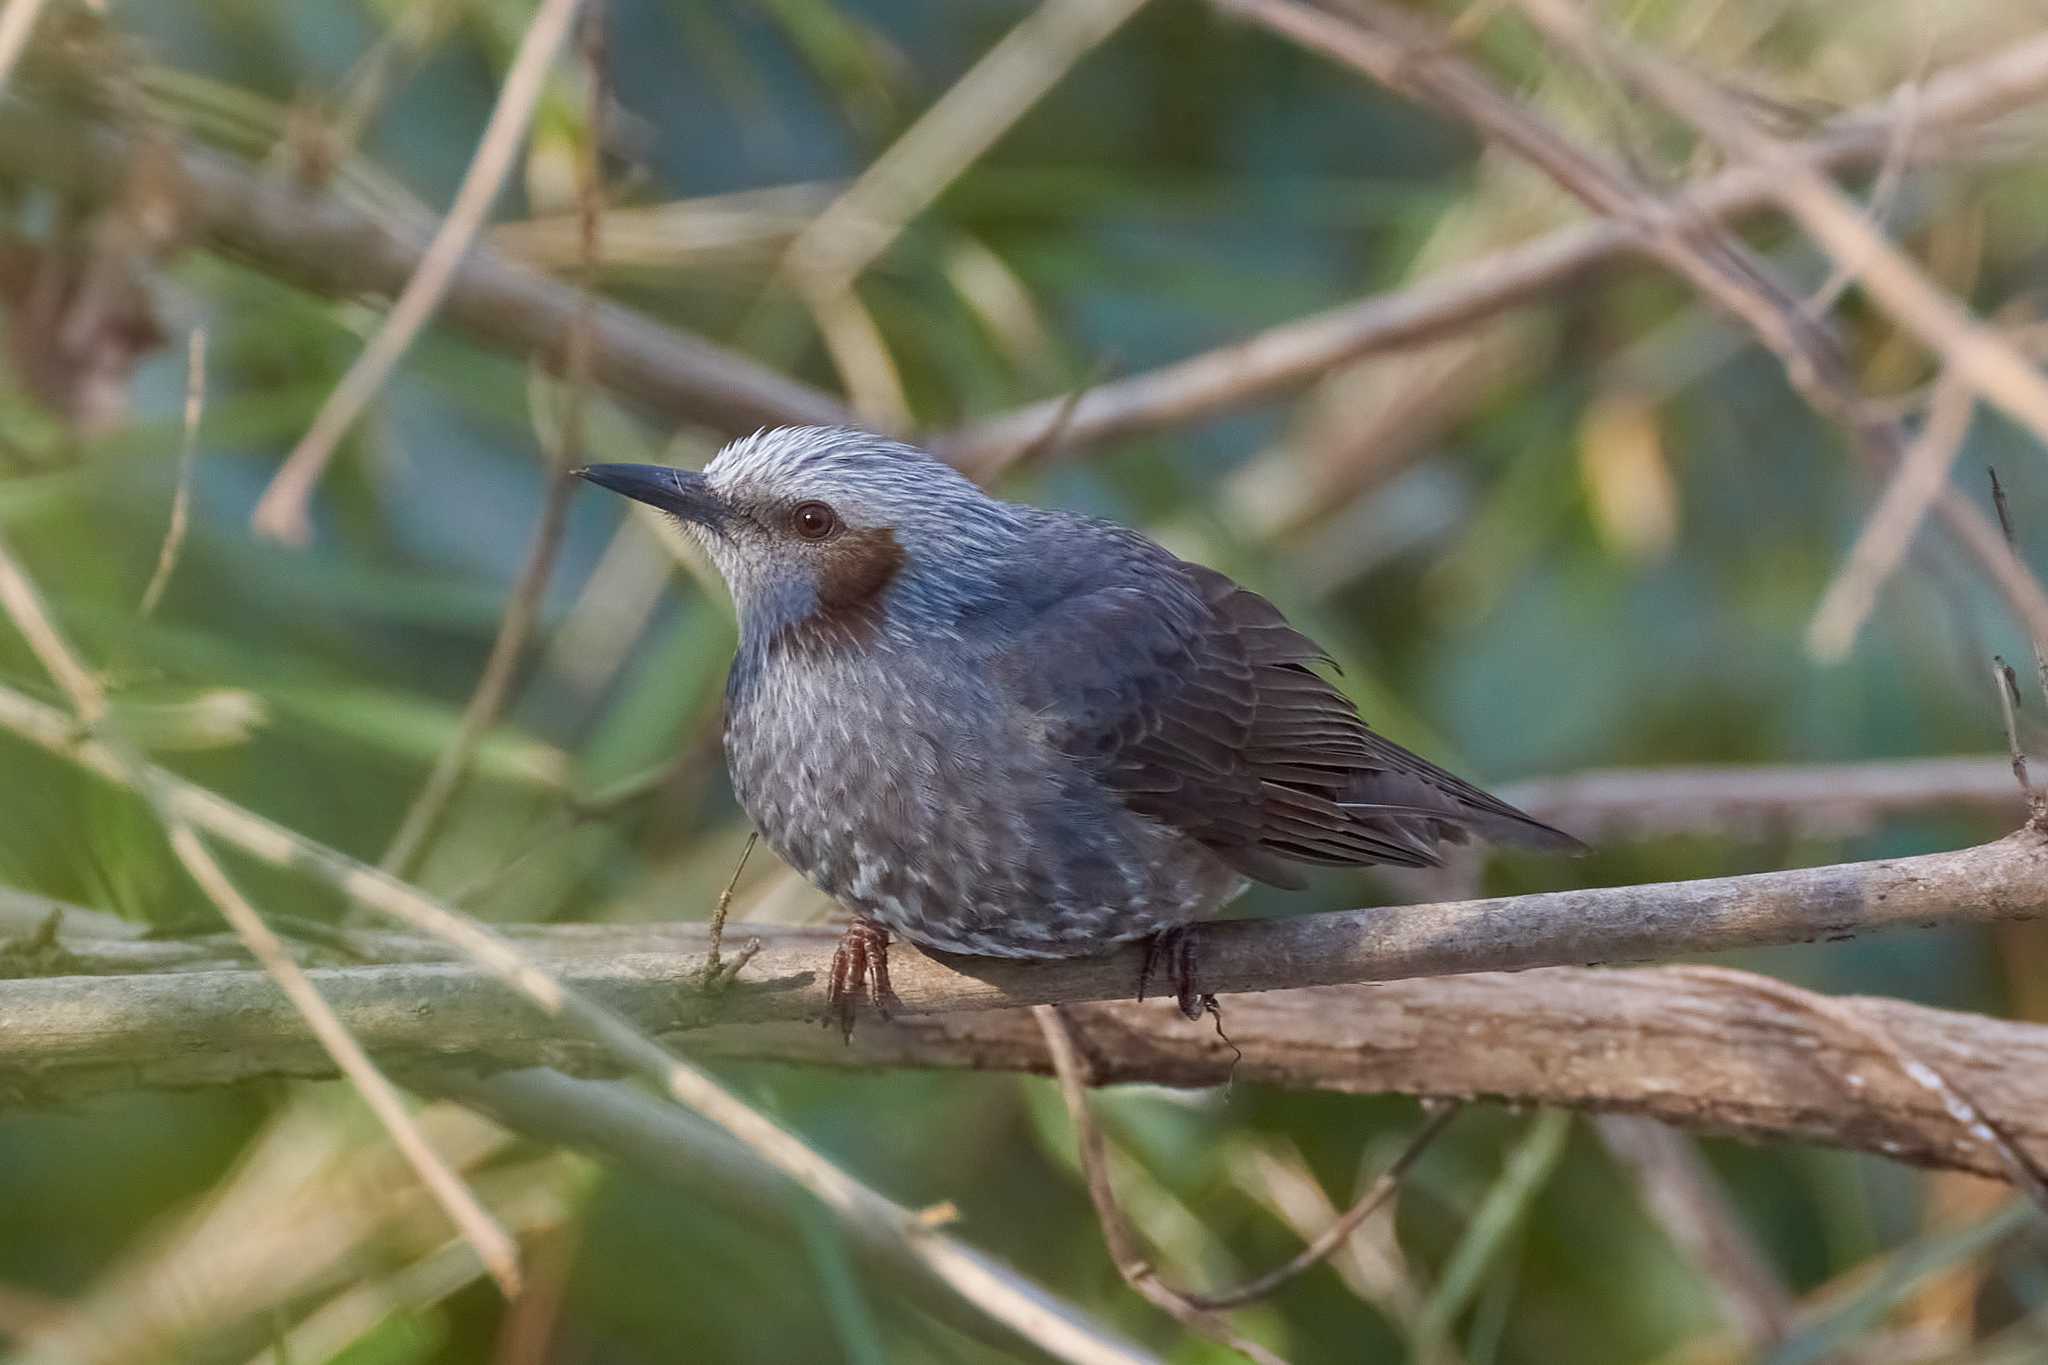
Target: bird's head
[(830, 531)]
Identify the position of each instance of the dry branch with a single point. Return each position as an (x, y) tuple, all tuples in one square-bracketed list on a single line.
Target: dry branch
[(322, 243), (1642, 1041), (327, 245), (1688, 1051), (1273, 362)]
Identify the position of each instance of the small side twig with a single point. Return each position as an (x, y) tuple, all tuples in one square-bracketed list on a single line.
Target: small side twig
[(188, 449), (2012, 540), (1192, 1307), (1117, 1234), (2008, 686), (717, 973)]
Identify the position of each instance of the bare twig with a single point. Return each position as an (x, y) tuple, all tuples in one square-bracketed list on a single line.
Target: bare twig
[(282, 510), (529, 588), (188, 449), (2008, 687), (2012, 540), (1125, 1250), (674, 1147), (1881, 546), (1341, 1227), (1749, 800), (493, 1245), (715, 970), (829, 255), (1011, 77)]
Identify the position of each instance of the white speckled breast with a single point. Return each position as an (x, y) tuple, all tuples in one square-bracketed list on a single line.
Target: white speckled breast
[(913, 796)]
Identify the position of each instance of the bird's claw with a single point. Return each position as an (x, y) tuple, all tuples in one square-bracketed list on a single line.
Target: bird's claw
[(1178, 949), (860, 967)]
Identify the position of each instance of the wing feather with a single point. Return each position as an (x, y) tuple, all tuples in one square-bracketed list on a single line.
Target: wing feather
[(1199, 706)]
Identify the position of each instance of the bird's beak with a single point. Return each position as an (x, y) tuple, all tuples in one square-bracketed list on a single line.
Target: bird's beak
[(680, 492)]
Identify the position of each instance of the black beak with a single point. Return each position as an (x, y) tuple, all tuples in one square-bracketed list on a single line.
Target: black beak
[(680, 492)]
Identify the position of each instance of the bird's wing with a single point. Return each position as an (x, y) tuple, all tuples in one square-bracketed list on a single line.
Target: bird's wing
[(1199, 706)]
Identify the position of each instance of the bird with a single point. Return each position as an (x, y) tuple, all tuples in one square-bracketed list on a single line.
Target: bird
[(1003, 730)]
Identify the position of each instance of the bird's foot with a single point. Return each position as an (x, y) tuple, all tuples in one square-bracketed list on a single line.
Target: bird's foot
[(1178, 951), (860, 967)]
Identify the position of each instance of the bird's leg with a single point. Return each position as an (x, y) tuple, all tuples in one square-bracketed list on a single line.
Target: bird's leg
[(860, 966), (1179, 950)]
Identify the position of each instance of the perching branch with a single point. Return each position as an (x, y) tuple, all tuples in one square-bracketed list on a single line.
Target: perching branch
[(1691, 1052), (1656, 1042)]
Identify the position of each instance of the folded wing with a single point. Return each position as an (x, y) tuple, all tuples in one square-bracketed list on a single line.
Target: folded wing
[(1201, 708)]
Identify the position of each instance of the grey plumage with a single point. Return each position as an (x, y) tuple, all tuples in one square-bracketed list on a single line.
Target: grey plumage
[(1005, 730)]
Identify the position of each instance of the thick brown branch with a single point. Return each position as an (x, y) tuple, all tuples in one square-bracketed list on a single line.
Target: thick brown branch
[(321, 243), (1643, 1041)]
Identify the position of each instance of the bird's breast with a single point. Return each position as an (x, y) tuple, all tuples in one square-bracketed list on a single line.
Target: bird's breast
[(911, 794)]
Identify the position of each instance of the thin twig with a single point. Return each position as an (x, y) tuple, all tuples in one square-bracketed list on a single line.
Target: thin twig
[(282, 510), (2012, 540), (2008, 687), (188, 449), (329, 245), (24, 606), (1117, 1234), (1011, 77), (714, 939), (1880, 547), (529, 588), (493, 1245), (1343, 1225)]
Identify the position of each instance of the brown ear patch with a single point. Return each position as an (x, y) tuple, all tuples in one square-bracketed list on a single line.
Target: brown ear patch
[(855, 568)]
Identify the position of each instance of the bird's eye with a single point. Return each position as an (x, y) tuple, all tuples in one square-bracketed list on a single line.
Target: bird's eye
[(813, 520)]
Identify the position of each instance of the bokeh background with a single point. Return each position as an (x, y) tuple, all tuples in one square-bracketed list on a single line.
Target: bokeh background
[(1584, 533)]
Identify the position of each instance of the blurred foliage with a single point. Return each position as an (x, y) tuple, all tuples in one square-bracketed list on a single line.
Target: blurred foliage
[(1592, 535)]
